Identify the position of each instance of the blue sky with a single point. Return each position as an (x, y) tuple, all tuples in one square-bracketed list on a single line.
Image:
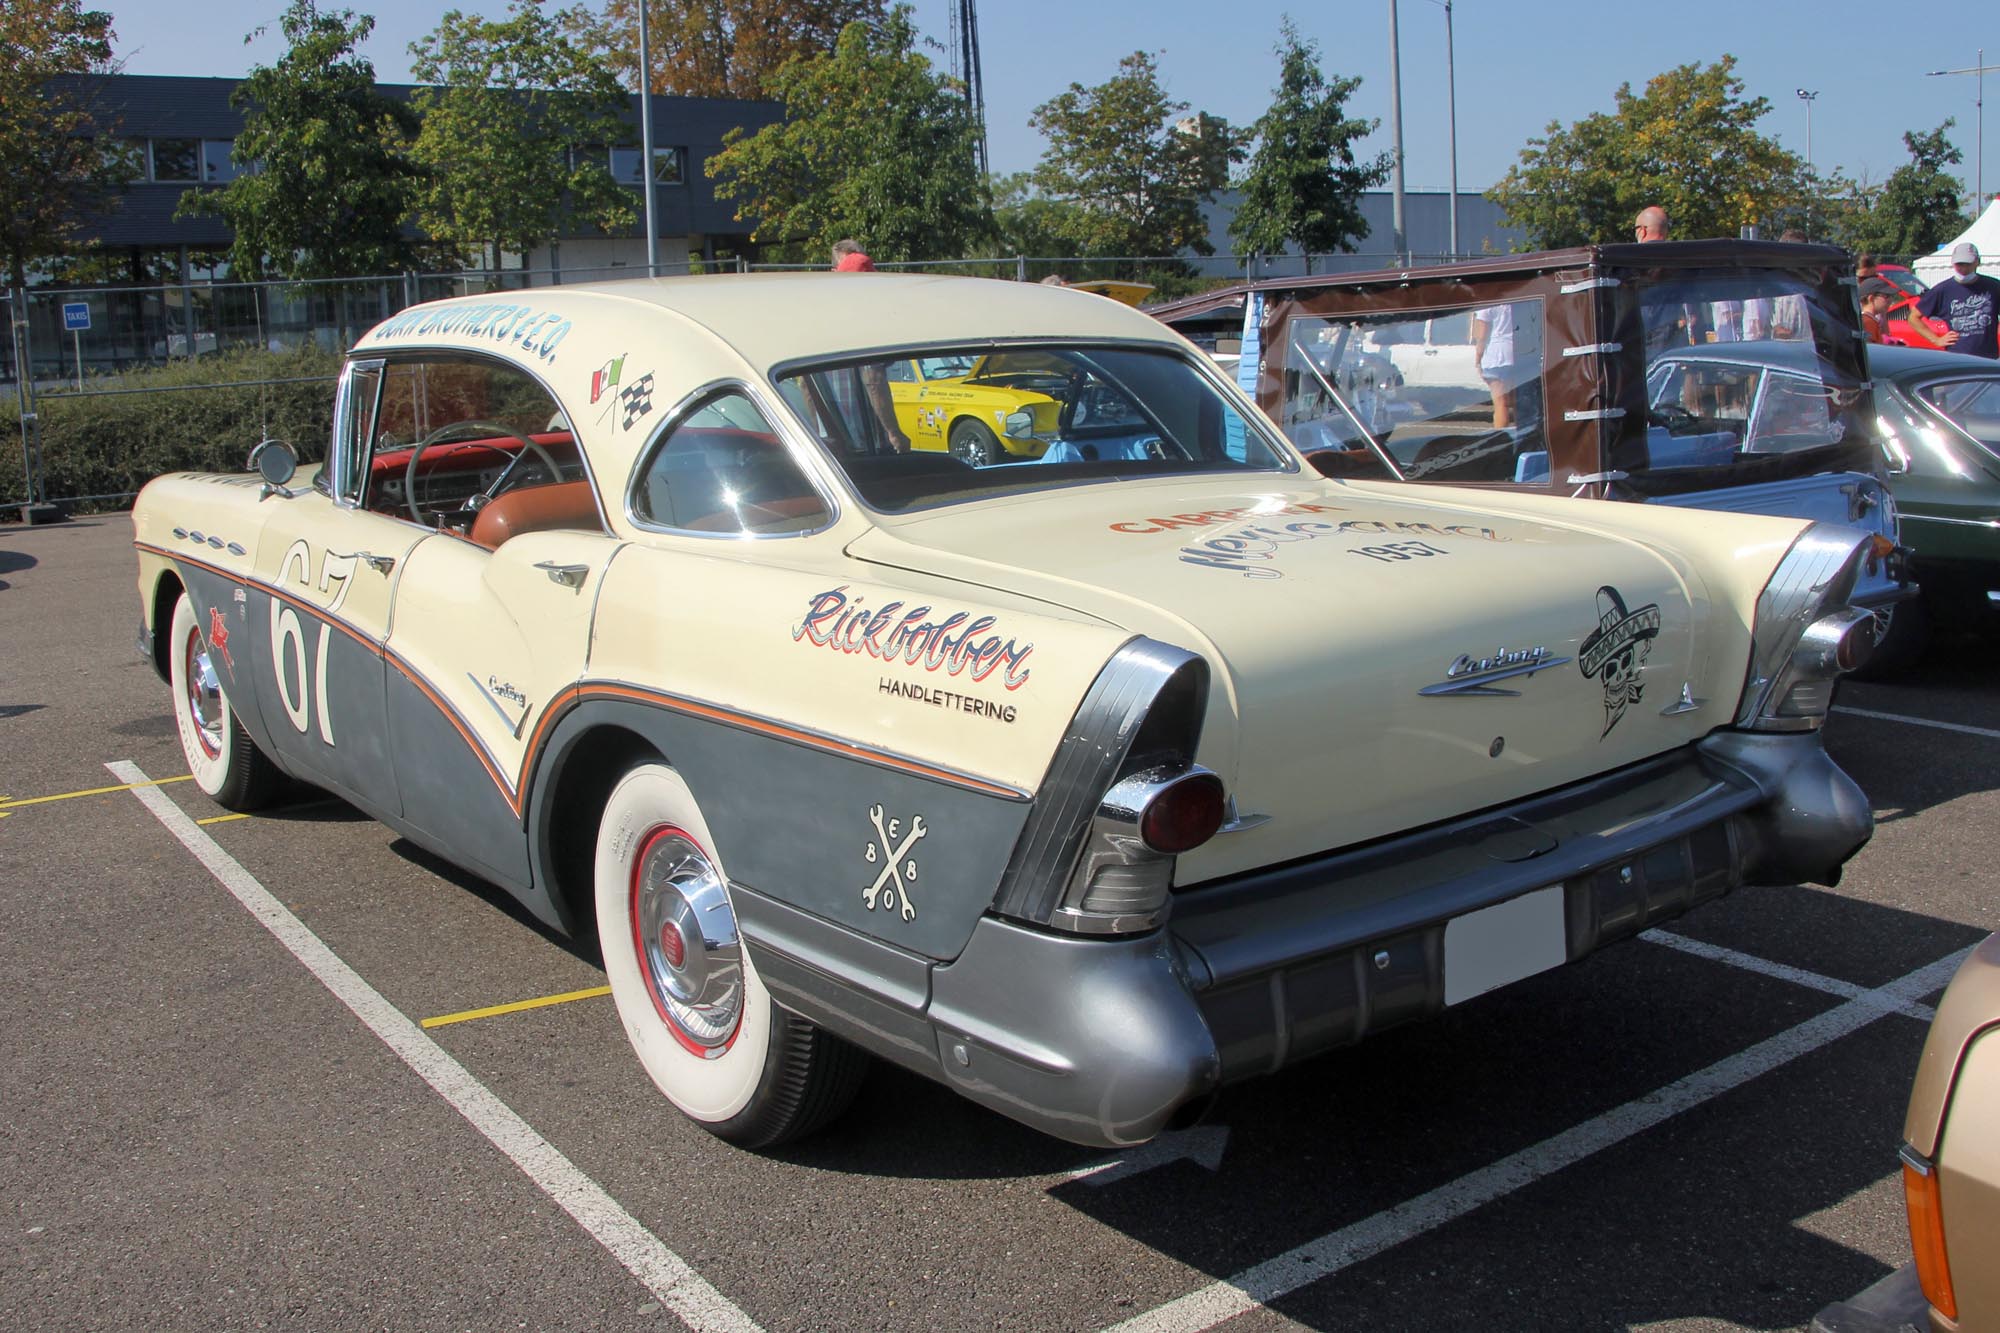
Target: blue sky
[(1520, 63)]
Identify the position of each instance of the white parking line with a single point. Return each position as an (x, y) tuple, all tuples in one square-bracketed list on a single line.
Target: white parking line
[(676, 1286), (1337, 1250), (1987, 732), (1715, 953)]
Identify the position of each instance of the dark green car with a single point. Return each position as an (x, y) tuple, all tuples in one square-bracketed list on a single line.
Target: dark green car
[(1940, 414)]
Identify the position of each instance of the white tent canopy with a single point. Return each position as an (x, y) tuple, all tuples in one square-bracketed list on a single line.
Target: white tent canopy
[(1984, 233)]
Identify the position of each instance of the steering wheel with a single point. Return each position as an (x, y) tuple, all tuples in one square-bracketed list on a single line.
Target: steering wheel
[(481, 428), (1670, 415)]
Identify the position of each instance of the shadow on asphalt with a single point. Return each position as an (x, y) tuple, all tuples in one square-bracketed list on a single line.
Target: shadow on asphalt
[(13, 562), (1333, 1141), (583, 947)]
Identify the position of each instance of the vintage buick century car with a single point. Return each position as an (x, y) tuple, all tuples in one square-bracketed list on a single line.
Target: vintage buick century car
[(1083, 786)]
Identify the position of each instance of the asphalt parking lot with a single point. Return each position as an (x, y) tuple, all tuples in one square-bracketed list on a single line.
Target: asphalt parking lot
[(224, 1107)]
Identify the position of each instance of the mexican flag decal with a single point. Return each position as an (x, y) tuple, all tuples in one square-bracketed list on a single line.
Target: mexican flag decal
[(605, 378)]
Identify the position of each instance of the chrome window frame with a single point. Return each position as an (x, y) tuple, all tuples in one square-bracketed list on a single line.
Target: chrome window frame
[(345, 437), (803, 454)]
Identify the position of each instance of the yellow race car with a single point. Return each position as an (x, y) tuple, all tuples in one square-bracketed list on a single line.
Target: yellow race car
[(1001, 407)]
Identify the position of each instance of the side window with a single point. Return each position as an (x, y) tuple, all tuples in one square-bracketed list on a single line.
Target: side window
[(1456, 398), (721, 468), (1973, 405), (454, 433), (1792, 415), (901, 372)]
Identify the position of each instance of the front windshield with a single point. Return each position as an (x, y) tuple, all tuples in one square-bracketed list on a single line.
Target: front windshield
[(1021, 419), (1903, 278)]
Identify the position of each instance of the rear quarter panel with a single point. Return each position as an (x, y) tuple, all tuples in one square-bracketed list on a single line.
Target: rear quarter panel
[(833, 727)]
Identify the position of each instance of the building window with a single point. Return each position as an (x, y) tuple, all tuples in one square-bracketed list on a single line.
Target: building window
[(176, 159), (215, 164), (667, 165)]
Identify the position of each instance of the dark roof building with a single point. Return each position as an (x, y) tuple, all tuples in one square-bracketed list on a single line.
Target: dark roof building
[(186, 127)]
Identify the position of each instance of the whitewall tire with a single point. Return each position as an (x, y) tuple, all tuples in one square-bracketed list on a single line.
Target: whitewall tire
[(687, 992), (225, 762)]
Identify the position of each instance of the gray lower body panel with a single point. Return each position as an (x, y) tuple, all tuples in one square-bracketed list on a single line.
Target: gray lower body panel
[(1107, 1041)]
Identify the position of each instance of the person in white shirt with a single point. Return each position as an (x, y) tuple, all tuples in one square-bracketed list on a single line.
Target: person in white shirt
[(1493, 343)]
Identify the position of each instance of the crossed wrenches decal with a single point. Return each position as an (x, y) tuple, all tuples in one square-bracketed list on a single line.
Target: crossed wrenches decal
[(891, 883)]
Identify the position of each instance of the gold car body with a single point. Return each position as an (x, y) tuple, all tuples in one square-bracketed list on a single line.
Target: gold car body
[(1951, 1154)]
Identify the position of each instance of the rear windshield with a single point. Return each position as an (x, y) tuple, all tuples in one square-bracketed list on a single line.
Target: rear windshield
[(950, 424)]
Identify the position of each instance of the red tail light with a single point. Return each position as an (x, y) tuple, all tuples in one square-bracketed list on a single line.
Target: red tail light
[(1184, 814)]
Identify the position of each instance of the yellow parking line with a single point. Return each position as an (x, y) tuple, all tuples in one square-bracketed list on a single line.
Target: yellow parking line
[(221, 819), (517, 1006), (7, 805)]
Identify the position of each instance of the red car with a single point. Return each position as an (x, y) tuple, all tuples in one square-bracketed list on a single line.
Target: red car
[(1903, 276)]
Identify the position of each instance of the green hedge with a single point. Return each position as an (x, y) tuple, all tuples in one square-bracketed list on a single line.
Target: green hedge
[(112, 443)]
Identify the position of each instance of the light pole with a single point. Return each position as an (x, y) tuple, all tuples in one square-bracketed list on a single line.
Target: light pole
[(1808, 96), (1396, 138), (1978, 69), (646, 145), (1451, 114)]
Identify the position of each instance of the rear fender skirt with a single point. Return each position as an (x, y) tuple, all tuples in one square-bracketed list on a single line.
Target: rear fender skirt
[(906, 854)]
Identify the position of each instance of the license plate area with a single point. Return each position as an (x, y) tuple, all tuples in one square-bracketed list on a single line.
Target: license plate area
[(1496, 945)]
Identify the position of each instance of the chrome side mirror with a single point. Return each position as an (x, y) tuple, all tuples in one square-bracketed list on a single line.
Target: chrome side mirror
[(275, 462)]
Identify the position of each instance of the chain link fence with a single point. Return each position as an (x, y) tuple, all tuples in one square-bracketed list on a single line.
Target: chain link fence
[(107, 382)]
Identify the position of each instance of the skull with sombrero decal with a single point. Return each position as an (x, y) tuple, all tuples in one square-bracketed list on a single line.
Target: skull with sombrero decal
[(1615, 652)]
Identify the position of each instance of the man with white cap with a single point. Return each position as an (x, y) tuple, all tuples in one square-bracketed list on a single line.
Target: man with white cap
[(1969, 302)]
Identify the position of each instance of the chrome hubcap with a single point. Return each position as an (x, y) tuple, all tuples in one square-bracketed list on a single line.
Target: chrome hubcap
[(685, 935), (204, 696)]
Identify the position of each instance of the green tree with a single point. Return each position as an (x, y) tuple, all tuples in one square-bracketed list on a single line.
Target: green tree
[(1916, 209), (1304, 182), (513, 133), (1028, 222), (327, 182), (1689, 143), (57, 159), (874, 144), (716, 48), (1135, 172)]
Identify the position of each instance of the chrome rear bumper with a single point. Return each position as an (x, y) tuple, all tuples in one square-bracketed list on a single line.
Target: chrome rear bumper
[(1107, 1041)]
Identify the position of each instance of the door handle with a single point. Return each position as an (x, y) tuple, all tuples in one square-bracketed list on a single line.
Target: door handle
[(381, 564), (569, 576)]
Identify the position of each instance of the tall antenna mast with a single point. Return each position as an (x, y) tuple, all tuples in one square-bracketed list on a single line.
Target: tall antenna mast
[(965, 68)]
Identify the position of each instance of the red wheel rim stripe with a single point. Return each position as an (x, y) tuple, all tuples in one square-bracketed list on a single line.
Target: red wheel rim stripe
[(689, 1044)]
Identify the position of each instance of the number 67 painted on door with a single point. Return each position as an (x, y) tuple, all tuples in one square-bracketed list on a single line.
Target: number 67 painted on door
[(288, 635)]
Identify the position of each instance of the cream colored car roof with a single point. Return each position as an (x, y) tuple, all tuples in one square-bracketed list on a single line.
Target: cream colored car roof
[(770, 318), (692, 331)]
